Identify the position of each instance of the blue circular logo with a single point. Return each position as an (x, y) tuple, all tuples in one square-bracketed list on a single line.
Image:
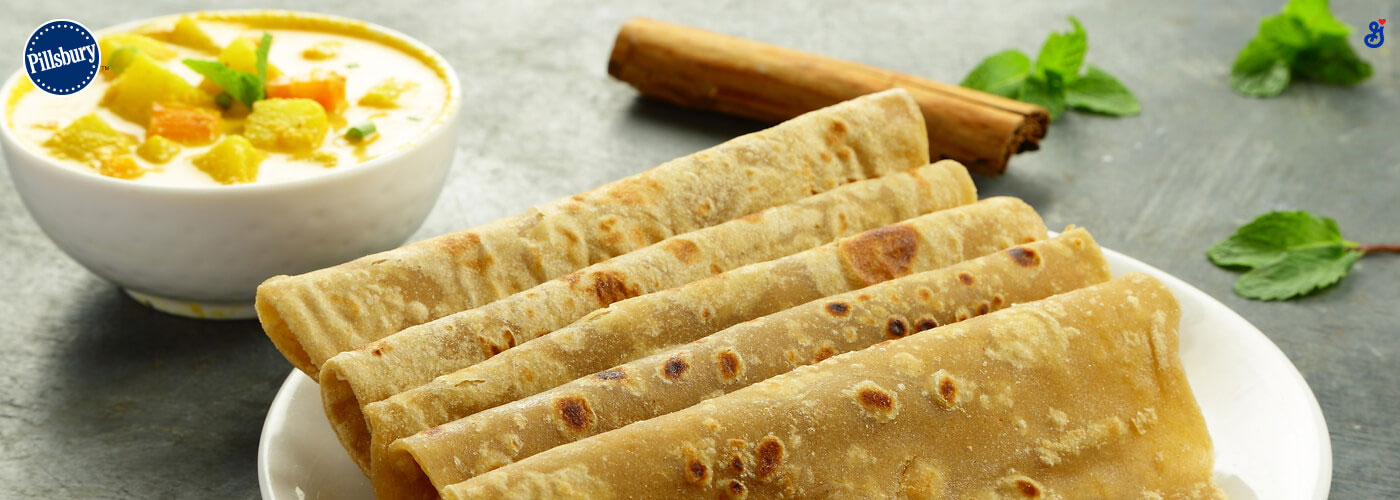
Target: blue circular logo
[(61, 57)]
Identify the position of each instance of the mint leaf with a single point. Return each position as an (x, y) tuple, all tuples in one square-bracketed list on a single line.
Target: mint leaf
[(1003, 74), (1286, 33), (1063, 53), (1055, 82), (243, 86), (1047, 90), (1099, 92), (1304, 41), (1317, 17), (1271, 236), (1268, 81), (1297, 273), (1332, 61), (264, 45), (1289, 254), (246, 87)]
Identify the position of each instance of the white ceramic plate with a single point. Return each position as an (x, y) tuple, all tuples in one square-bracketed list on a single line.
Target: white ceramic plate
[(1270, 439)]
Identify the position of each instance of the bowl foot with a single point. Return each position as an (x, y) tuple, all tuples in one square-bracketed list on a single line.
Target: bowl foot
[(195, 309)]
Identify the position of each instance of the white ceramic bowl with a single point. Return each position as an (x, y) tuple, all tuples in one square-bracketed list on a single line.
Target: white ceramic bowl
[(202, 251)]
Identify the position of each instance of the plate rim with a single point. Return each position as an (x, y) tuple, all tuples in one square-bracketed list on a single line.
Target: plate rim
[(278, 410)]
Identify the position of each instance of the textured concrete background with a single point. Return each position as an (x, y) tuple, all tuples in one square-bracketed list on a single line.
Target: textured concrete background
[(100, 397)]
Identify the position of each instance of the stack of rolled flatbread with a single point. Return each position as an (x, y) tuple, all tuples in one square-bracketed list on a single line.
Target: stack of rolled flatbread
[(810, 311)]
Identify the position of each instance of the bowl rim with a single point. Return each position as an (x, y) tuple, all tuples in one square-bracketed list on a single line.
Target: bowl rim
[(444, 123)]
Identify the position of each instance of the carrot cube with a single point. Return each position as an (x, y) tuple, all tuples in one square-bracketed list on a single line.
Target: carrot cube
[(325, 87), (184, 124)]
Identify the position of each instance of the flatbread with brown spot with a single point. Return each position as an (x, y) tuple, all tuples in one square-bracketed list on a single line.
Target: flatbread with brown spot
[(1081, 395), (316, 315), (414, 356), (751, 352), (637, 327)]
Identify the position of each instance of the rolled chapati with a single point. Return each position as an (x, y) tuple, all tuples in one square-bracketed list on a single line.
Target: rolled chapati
[(748, 353), (314, 316), (414, 356), (1081, 395), (637, 327)]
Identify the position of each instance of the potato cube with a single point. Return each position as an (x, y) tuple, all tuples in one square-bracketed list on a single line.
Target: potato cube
[(233, 160), (121, 167), (184, 124), (242, 55), (385, 94), (289, 125), (143, 84), (88, 140), (188, 33), (325, 87), (157, 149), (120, 49)]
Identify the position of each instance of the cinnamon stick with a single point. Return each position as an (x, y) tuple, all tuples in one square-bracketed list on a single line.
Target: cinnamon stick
[(706, 70)]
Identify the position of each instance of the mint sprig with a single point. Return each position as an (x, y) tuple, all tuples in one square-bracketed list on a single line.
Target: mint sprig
[(1302, 41), (1289, 254), (1054, 81), (246, 87)]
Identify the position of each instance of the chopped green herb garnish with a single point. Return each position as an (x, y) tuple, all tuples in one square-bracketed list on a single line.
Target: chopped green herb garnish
[(121, 58), (1302, 41), (1289, 254), (415, 118), (361, 132), (246, 87), (352, 65), (1054, 81)]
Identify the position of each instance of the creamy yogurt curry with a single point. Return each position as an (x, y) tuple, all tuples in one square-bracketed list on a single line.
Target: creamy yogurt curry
[(185, 101)]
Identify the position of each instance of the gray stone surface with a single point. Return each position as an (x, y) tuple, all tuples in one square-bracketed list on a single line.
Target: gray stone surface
[(102, 398)]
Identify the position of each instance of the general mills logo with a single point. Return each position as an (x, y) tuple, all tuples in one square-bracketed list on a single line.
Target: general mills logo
[(1377, 36), (61, 57)]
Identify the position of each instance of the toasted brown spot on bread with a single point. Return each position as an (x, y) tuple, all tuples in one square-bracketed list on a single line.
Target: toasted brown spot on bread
[(611, 374), (823, 353), (881, 254), (378, 348), (696, 472), (736, 489), (897, 327), (729, 364), (926, 323), (675, 367), (736, 463), (965, 278), (863, 297), (768, 457), (684, 250), (998, 300), (753, 218), (433, 431), (946, 387), (1027, 487), (607, 223), (574, 413), (715, 269), (983, 308), (876, 399), (925, 294), (611, 287), (838, 309), (1024, 256)]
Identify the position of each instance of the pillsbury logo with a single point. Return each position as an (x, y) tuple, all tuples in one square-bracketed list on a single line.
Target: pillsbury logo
[(61, 57)]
